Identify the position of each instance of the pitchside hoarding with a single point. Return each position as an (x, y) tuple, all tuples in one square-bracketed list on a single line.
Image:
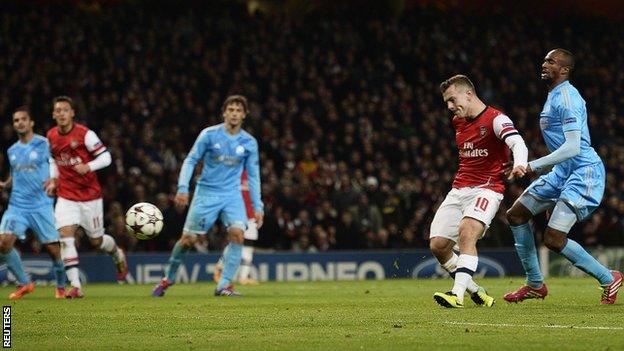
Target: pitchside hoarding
[(147, 268)]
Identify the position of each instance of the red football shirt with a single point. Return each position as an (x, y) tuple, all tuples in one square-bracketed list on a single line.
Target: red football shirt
[(79, 145), (246, 197), (482, 149)]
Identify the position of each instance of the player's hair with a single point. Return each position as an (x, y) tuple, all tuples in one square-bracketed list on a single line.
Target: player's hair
[(23, 109), (235, 99), (458, 79), (63, 98), (567, 58)]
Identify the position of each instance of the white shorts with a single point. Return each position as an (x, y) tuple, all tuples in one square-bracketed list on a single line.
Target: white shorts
[(252, 230), (478, 203), (87, 214)]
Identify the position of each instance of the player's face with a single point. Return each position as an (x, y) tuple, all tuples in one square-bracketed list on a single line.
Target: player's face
[(457, 100), (234, 114), (22, 123), (552, 68), (63, 113)]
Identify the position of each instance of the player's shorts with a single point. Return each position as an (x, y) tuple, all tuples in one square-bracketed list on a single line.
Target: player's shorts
[(478, 203), (87, 214), (252, 230), (207, 206), (582, 191), (41, 221)]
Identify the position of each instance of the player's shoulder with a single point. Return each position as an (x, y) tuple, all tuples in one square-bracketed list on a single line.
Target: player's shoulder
[(498, 115), (80, 129), (248, 140), (52, 133), (14, 146), (211, 130), (493, 111), (490, 114), (566, 93), (39, 140), (571, 90), (246, 135)]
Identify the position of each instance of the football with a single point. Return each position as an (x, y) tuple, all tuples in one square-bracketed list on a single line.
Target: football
[(144, 221)]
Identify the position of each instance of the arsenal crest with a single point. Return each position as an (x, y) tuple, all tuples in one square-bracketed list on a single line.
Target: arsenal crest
[(73, 144), (482, 131)]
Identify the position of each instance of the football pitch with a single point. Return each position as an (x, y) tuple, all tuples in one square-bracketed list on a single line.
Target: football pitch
[(359, 315)]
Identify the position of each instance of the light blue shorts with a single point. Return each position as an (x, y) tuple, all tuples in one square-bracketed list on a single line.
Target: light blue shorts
[(207, 206), (582, 191), (41, 221)]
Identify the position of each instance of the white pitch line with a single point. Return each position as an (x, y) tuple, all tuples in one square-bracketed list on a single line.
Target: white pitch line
[(554, 326)]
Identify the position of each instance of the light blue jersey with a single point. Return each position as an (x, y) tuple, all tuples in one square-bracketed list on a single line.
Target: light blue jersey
[(564, 111), (578, 181), (29, 206), (30, 168), (573, 189), (219, 186)]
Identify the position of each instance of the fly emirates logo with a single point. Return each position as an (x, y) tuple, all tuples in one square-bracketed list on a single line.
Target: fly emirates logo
[(468, 150), (67, 160)]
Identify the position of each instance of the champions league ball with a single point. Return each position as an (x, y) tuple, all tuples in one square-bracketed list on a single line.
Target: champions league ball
[(144, 221)]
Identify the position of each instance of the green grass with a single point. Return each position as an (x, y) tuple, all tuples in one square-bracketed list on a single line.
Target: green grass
[(362, 315)]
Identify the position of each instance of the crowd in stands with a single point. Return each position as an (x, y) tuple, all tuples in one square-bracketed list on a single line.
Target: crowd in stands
[(357, 148)]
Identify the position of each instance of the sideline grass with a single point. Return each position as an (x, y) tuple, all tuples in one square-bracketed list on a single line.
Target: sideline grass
[(362, 315)]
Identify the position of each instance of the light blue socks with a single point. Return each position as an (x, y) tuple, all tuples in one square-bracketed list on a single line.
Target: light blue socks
[(231, 260), (525, 247), (14, 264), (59, 273), (177, 256), (582, 260)]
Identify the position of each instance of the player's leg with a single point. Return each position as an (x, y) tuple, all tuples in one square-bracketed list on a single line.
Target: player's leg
[(444, 235), (202, 214), (178, 253), (479, 206), (442, 250), (555, 238), (42, 223), (218, 268), (67, 216), (250, 235), (519, 216), (444, 232), (92, 221), (54, 250), (231, 259), (246, 263), (234, 219), (470, 230), (536, 199), (585, 187), (13, 226)]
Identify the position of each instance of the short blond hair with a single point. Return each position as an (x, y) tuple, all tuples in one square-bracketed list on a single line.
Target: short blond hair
[(458, 79)]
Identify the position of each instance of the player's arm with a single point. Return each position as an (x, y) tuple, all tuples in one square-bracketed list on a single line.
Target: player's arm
[(252, 166), (570, 108), (51, 183), (188, 167), (506, 131), (96, 148), (570, 148)]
